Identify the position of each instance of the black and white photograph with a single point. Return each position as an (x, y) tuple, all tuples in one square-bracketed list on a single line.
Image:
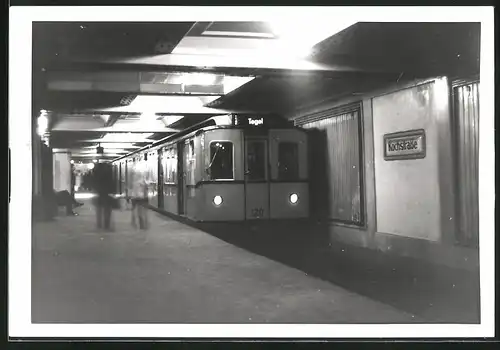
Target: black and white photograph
[(253, 172)]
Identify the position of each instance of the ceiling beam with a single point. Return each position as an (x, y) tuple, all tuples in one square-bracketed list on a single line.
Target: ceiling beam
[(112, 120), (166, 110), (89, 156), (246, 65), (111, 141), (125, 82), (98, 125), (247, 61), (113, 151), (116, 131)]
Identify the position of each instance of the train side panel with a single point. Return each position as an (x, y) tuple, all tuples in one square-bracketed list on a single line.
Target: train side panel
[(232, 206), (289, 200), (170, 179), (152, 174)]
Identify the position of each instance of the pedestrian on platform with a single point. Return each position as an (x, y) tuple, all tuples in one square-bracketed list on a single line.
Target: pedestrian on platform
[(138, 192), (103, 185), (65, 199)]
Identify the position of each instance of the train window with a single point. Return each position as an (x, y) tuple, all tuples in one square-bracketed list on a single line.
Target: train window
[(191, 147), (256, 160), (288, 161), (170, 166), (221, 160)]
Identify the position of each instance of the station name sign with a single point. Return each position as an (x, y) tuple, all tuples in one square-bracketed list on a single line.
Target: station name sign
[(404, 145)]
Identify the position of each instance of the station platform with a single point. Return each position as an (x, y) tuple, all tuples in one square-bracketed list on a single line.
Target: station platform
[(179, 273)]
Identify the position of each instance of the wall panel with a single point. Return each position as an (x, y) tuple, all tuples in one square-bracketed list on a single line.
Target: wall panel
[(336, 163), (466, 115)]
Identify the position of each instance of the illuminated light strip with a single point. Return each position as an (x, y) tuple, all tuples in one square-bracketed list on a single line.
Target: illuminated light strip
[(240, 34), (171, 119), (106, 155), (122, 145), (165, 105), (90, 151), (231, 84), (118, 141), (119, 136), (290, 40)]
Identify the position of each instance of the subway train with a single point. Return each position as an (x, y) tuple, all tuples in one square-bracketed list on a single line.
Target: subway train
[(226, 168)]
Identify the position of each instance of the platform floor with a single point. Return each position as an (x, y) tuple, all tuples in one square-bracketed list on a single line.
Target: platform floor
[(174, 273)]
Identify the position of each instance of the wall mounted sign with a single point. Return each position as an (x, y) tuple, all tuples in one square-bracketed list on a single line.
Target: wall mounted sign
[(404, 145)]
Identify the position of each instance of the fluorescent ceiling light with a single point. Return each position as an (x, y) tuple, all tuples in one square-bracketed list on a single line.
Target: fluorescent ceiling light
[(299, 40), (148, 116), (94, 151), (203, 79), (120, 141), (125, 137), (105, 117), (85, 155), (232, 83), (148, 119), (118, 145), (293, 38), (148, 122), (170, 119), (223, 119), (236, 34), (167, 104), (215, 51)]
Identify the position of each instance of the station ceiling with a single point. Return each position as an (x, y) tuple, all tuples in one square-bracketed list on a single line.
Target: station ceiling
[(123, 85)]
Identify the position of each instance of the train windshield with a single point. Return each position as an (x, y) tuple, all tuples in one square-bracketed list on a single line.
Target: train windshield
[(221, 160), (288, 161)]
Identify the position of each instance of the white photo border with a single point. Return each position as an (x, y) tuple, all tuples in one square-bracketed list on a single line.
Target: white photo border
[(19, 239)]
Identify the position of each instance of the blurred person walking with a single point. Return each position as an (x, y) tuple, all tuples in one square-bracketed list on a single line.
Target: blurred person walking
[(138, 192), (103, 185)]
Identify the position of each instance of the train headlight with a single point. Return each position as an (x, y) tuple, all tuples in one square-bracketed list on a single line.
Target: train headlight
[(294, 198), (217, 200)]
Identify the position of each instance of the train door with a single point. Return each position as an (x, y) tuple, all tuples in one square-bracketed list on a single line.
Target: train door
[(181, 178), (256, 179), (188, 188), (160, 178), (125, 178), (119, 182)]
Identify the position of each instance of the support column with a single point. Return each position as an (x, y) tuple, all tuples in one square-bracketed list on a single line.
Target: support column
[(38, 203), (62, 170)]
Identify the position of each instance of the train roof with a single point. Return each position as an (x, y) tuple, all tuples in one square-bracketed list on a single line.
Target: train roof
[(229, 121)]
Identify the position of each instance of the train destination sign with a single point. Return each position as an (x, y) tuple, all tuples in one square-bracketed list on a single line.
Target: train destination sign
[(404, 145), (256, 121)]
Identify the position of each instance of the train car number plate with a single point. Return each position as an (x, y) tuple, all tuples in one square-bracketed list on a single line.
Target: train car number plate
[(257, 212)]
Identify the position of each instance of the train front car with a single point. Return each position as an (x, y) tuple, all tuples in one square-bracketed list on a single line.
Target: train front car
[(256, 169)]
